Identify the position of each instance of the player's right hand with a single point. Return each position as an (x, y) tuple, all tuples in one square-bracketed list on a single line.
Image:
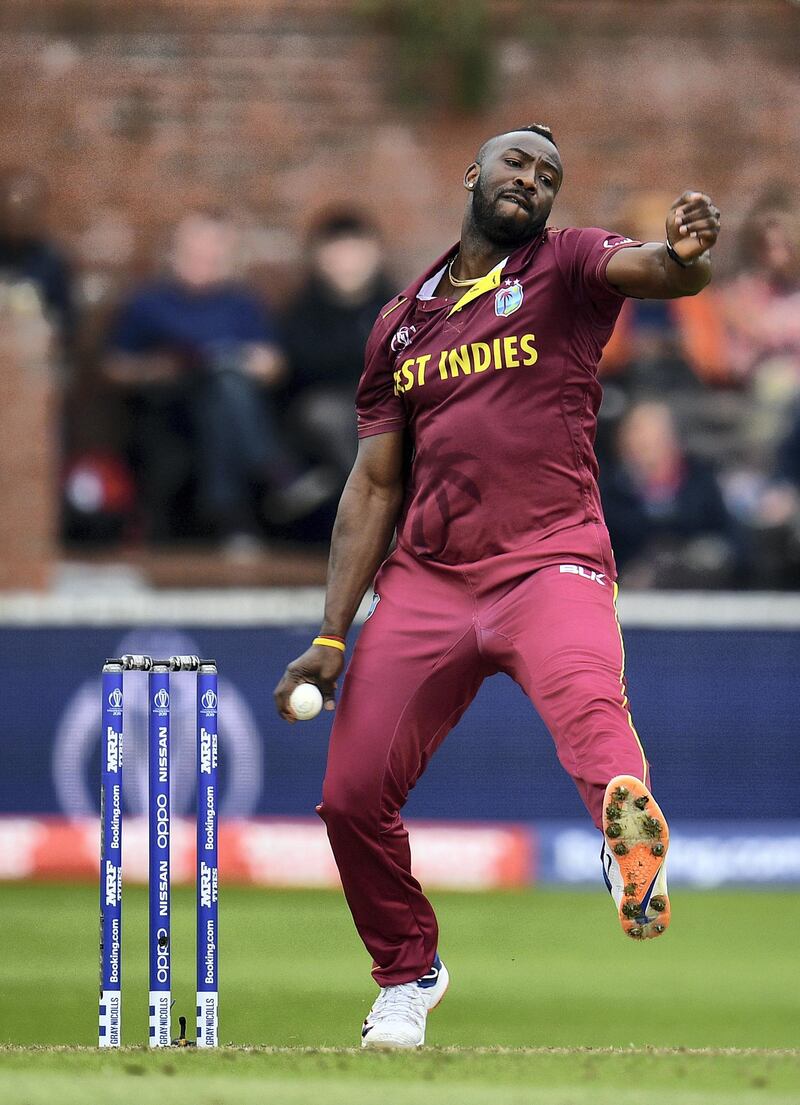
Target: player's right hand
[(320, 665)]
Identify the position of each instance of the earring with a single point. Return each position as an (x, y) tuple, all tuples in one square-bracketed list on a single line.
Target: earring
[(470, 185)]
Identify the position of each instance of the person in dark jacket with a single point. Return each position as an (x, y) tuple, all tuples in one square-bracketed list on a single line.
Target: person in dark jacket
[(27, 253), (324, 334), (199, 354), (775, 521), (664, 508)]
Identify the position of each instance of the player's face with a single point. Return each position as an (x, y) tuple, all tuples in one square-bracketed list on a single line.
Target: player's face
[(515, 187)]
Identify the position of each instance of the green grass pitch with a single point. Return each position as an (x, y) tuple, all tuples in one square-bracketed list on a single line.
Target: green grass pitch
[(548, 1003)]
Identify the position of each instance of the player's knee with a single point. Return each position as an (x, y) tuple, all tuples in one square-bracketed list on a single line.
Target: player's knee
[(346, 803), (586, 707), (599, 723)]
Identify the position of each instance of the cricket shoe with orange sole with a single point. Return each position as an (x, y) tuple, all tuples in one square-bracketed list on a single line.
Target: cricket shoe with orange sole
[(635, 843)]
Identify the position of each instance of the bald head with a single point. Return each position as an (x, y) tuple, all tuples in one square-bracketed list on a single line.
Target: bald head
[(533, 128), (204, 249)]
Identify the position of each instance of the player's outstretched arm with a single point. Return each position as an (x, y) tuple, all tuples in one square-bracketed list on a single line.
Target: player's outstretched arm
[(679, 266), (365, 522)]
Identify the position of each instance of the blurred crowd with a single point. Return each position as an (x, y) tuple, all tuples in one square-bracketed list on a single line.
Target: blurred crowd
[(193, 410)]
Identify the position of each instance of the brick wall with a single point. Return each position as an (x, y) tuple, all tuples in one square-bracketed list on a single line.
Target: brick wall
[(28, 437), (283, 107)]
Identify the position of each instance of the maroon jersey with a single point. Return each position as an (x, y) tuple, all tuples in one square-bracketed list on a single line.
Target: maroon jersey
[(498, 394)]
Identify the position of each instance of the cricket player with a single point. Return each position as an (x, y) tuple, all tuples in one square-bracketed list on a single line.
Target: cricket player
[(477, 412)]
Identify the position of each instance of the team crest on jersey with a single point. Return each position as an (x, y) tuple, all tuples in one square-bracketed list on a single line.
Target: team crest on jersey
[(508, 298), (402, 338)]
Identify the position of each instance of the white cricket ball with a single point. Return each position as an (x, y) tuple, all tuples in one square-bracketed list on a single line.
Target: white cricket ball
[(305, 701)]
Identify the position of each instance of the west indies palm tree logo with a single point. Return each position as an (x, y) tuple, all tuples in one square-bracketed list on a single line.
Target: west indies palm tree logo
[(449, 486), (508, 298)]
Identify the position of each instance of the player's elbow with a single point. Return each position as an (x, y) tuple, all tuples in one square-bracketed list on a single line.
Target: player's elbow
[(384, 495), (698, 285), (367, 492), (693, 279)]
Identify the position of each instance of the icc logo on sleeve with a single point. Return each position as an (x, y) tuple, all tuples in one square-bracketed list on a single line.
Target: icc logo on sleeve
[(403, 338)]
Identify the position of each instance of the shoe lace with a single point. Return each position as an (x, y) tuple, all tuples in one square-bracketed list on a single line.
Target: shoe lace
[(405, 1000)]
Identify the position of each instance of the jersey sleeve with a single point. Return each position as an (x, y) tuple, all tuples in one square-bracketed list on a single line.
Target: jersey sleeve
[(583, 256), (379, 410)]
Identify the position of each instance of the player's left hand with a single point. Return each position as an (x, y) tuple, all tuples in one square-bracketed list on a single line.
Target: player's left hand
[(692, 225)]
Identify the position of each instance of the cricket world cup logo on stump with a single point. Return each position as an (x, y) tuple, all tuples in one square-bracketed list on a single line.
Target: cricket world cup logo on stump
[(207, 872), (111, 863)]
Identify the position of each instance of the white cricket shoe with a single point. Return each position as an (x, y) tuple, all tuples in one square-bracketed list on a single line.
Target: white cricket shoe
[(633, 857), (397, 1018)]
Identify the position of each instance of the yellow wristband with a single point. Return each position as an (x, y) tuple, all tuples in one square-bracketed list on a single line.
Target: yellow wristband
[(329, 642)]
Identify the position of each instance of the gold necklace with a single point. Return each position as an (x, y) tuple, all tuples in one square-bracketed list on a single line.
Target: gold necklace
[(460, 283)]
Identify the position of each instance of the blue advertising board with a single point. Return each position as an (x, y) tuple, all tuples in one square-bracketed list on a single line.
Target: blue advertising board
[(716, 710)]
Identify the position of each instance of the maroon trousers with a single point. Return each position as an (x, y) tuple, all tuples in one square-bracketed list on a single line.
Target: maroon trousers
[(436, 633)]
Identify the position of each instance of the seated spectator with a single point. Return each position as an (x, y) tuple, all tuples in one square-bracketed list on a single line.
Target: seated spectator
[(763, 302), (668, 345), (199, 356), (664, 345), (762, 314), (775, 518), (787, 469), (669, 525), (325, 332), (27, 252)]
